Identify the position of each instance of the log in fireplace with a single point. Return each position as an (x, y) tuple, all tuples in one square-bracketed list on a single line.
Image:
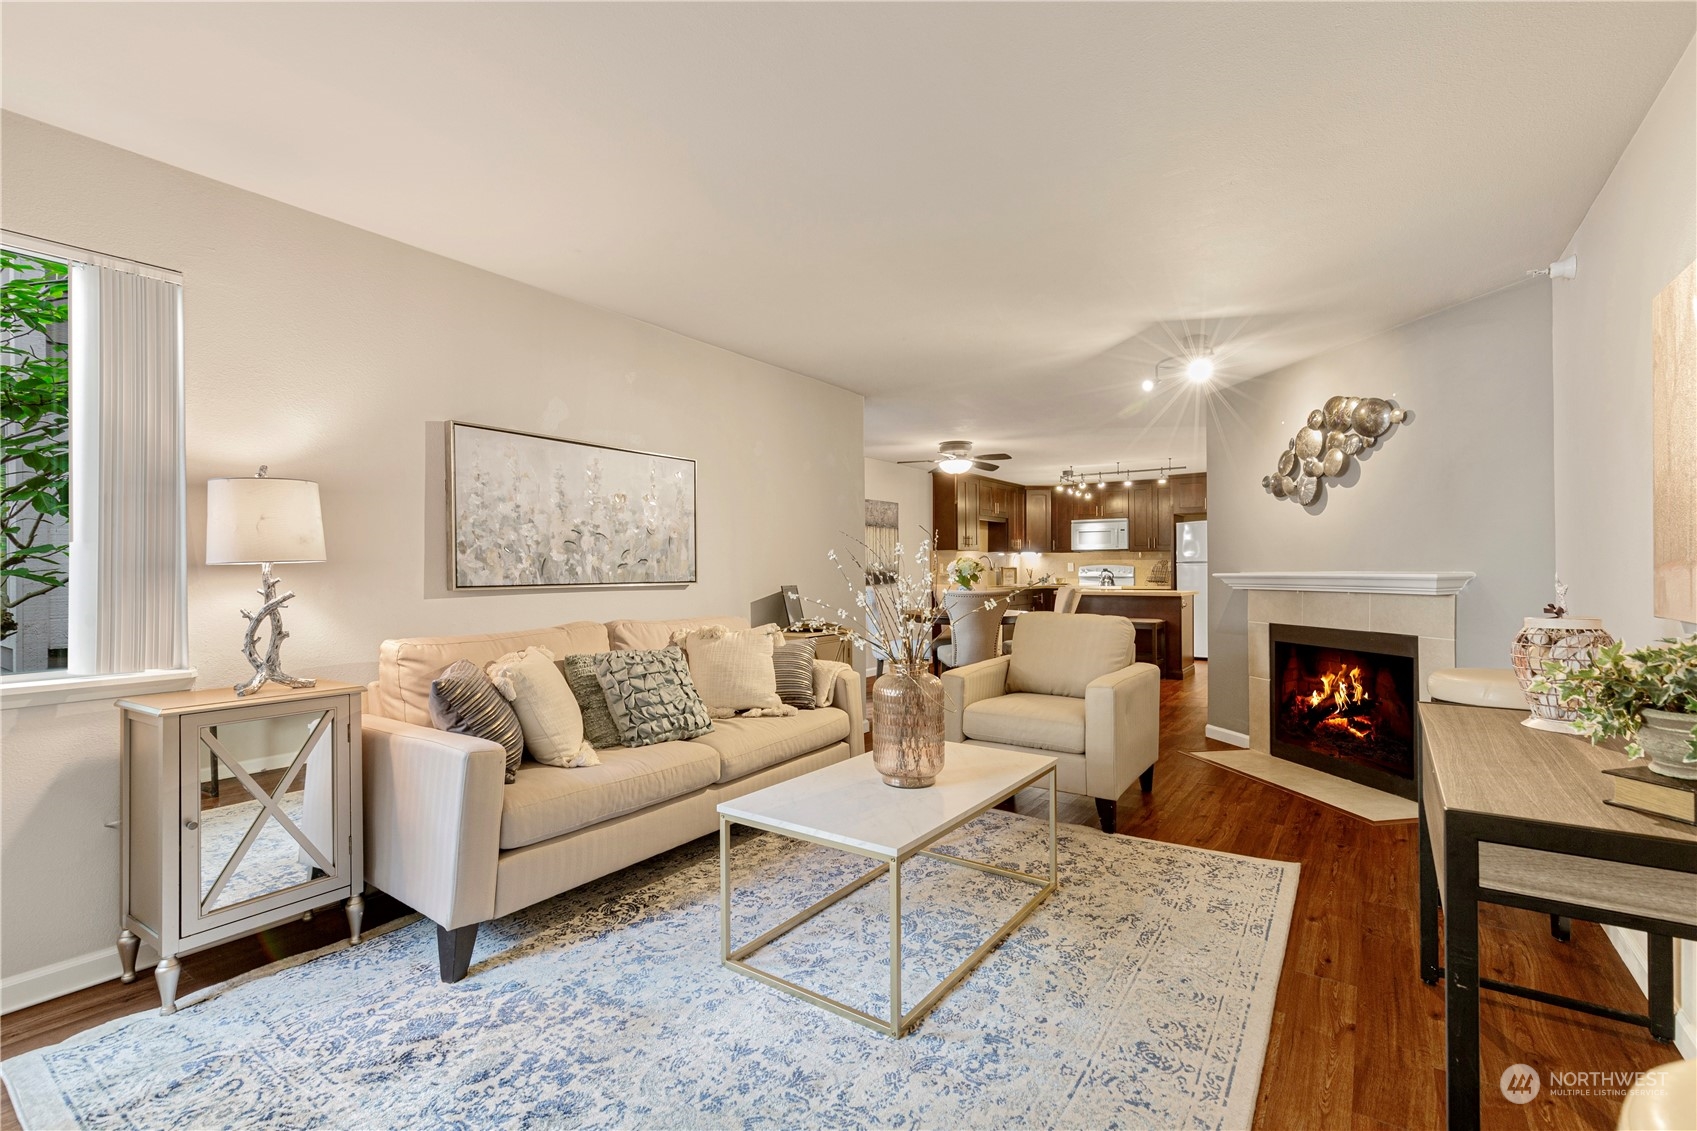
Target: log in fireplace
[(1345, 702)]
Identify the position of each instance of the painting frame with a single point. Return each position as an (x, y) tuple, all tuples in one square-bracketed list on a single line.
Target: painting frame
[(467, 445)]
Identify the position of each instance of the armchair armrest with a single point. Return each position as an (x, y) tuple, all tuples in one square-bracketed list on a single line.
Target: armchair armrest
[(433, 818), (962, 687), (1122, 728), (849, 692)]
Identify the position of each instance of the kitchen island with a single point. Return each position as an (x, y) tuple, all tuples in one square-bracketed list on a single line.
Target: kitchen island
[(1175, 607)]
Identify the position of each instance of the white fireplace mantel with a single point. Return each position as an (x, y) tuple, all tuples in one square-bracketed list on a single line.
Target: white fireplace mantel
[(1443, 584)]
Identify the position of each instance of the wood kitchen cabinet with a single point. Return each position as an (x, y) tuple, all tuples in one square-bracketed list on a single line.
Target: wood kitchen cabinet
[(1039, 530), (1060, 522), (1142, 499), (1163, 524), (1190, 495), (961, 505)]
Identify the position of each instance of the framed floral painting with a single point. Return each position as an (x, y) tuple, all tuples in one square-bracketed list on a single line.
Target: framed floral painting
[(540, 512)]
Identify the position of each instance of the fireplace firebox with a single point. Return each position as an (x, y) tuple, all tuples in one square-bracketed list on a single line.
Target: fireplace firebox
[(1345, 702)]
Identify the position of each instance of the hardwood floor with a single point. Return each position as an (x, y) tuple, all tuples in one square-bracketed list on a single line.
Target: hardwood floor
[(1357, 1039)]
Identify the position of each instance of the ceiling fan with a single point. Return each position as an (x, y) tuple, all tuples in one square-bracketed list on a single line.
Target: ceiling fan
[(955, 456)]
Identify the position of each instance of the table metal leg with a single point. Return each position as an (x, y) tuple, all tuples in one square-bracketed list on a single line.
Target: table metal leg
[(1054, 858), (724, 889), (1461, 975), (1660, 950), (896, 948), (1431, 967)]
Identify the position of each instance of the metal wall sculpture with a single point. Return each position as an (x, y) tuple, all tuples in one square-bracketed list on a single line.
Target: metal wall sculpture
[(1335, 435)]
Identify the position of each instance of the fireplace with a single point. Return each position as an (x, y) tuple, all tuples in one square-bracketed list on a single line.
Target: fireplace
[(1345, 702)]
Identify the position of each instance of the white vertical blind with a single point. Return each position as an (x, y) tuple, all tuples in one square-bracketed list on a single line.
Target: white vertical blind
[(129, 560)]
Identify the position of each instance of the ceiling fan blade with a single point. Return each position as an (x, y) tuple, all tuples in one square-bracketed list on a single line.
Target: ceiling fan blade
[(982, 465), (993, 455), (915, 461)]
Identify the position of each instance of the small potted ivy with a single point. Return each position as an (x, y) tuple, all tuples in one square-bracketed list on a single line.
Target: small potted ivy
[(1648, 697)]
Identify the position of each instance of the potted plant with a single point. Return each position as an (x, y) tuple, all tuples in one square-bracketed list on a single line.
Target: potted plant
[(1648, 697)]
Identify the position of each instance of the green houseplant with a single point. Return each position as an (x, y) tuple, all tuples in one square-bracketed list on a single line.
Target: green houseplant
[(1648, 697), (965, 572)]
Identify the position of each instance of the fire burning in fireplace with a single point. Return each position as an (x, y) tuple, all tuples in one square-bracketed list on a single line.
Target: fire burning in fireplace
[(1340, 702)]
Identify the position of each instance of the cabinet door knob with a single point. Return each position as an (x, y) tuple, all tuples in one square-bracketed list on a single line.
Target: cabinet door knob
[(191, 825)]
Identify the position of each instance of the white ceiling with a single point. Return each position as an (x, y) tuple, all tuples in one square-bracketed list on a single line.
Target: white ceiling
[(991, 219)]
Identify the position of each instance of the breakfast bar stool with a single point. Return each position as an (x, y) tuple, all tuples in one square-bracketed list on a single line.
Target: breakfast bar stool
[(1157, 630)]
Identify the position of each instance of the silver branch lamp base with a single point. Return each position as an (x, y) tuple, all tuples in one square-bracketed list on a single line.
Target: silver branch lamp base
[(269, 668)]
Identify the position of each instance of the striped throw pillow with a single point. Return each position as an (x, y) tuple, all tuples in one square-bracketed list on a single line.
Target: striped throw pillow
[(793, 665), (463, 701)]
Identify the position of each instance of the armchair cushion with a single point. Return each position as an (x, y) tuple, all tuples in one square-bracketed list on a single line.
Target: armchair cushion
[(1038, 722), (1059, 654)]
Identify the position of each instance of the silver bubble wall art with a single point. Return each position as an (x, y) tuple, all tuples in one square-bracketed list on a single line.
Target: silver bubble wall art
[(1323, 450)]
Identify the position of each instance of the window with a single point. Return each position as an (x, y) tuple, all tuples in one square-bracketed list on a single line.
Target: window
[(92, 437), (35, 454)]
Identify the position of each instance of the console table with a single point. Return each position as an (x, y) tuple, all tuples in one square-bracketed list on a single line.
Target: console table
[(1516, 816)]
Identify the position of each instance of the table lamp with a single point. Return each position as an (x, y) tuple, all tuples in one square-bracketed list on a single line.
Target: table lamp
[(262, 521)]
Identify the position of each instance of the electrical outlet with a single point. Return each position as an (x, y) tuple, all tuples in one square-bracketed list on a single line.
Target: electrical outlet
[(1069, 567)]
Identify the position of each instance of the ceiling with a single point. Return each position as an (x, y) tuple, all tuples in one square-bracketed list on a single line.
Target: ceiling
[(991, 219)]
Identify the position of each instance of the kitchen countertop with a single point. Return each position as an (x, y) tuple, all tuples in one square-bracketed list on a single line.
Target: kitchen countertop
[(1157, 590), (1094, 591)]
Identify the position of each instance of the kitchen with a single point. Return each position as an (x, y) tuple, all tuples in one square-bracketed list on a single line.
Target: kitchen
[(1133, 547)]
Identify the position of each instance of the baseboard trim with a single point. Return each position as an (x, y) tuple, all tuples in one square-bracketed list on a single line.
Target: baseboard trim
[(1231, 737), (1630, 946), (32, 987)]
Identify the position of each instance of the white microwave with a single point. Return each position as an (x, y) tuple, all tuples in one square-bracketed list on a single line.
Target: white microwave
[(1101, 534)]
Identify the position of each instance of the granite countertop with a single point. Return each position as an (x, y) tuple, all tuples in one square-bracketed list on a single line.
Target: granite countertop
[(1092, 591)]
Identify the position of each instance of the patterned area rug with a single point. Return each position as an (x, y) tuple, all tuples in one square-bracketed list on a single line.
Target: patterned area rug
[(1140, 994)]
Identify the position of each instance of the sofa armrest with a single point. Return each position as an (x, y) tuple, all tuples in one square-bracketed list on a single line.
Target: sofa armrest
[(962, 687), (433, 818), (1122, 728), (849, 693)]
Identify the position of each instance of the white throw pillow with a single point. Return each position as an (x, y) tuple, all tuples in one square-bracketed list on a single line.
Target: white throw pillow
[(547, 710), (732, 669)]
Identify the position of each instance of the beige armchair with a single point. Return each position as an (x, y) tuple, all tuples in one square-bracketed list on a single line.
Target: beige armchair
[(1071, 691)]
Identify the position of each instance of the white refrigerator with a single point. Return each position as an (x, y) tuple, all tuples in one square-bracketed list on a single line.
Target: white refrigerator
[(1192, 555)]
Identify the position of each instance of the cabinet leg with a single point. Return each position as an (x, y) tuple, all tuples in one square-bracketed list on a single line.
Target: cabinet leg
[(128, 946), (356, 914), (166, 974)]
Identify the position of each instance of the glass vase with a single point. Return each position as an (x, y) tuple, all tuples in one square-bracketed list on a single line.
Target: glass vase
[(907, 726)]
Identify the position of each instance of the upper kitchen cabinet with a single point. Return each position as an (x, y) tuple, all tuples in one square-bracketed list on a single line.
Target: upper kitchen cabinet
[(1163, 527), (1039, 526), (971, 512), (1142, 497), (1190, 495)]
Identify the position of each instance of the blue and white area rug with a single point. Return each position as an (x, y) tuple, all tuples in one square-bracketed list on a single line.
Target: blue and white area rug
[(1140, 994)]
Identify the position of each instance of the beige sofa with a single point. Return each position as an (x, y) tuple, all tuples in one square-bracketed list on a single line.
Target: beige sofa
[(447, 836), (1069, 690)]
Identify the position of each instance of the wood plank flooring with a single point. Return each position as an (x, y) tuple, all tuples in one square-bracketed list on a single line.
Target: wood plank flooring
[(1357, 1039)]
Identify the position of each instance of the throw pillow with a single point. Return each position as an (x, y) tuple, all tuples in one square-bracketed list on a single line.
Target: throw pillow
[(599, 729), (650, 695), (792, 663), (463, 701), (547, 711), (732, 669)]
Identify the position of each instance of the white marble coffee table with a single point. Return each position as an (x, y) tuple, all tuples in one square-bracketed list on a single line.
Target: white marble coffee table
[(848, 807)]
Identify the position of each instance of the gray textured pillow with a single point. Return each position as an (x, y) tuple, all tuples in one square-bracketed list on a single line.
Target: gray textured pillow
[(650, 696), (463, 701), (792, 663), (598, 725)]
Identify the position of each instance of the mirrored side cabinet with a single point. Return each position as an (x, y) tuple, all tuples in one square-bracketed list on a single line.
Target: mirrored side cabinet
[(236, 814)]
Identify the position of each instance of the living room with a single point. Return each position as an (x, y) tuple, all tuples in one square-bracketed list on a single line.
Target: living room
[(792, 247)]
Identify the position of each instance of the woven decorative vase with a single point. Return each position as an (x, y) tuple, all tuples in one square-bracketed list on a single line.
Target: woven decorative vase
[(1546, 643), (907, 726)]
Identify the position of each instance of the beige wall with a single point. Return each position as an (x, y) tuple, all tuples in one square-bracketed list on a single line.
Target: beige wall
[(1640, 232), (332, 354)]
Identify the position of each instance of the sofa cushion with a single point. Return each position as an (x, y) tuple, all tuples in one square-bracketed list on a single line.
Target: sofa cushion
[(732, 669), (547, 801), (792, 667), (1041, 722), (647, 635), (406, 666), (547, 709), (463, 701), (1059, 654), (650, 696), (599, 729), (747, 745)]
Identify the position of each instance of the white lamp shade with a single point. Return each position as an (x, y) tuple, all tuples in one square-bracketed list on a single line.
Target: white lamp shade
[(250, 521)]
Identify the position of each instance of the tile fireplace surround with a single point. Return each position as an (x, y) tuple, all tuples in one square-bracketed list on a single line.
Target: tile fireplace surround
[(1412, 604)]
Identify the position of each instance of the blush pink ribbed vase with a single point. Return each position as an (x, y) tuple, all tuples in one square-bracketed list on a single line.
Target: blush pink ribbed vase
[(907, 726)]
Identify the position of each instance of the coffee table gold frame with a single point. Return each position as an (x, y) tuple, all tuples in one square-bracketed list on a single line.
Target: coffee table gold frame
[(898, 1023)]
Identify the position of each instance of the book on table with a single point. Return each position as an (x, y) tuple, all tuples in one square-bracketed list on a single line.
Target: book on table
[(1640, 788)]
